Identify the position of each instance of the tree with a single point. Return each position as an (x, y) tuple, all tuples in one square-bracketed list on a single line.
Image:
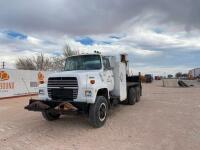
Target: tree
[(170, 76), (57, 63), (39, 62), (67, 51), (185, 75), (42, 62), (178, 74), (25, 63)]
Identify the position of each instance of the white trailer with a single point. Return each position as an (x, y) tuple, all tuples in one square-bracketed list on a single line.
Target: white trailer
[(90, 83)]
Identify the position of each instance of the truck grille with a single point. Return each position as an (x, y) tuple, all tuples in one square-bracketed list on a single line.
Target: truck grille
[(64, 88)]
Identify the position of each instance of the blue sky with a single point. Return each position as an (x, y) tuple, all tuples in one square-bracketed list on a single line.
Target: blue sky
[(15, 35), (85, 40), (159, 37)]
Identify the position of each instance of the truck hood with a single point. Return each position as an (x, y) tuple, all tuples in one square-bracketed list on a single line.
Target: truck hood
[(76, 73)]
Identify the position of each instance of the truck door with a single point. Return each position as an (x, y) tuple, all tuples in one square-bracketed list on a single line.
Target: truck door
[(108, 73)]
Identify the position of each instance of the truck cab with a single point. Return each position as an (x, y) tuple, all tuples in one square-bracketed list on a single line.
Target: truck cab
[(91, 83)]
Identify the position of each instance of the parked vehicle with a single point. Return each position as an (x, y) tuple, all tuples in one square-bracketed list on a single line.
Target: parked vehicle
[(148, 78), (90, 83), (157, 78)]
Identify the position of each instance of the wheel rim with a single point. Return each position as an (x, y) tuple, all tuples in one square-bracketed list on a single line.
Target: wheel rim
[(102, 112)]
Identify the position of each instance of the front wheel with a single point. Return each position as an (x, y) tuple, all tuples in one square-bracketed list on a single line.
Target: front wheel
[(98, 112), (50, 115)]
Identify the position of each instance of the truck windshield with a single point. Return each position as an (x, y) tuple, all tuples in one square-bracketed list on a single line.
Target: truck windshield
[(83, 62)]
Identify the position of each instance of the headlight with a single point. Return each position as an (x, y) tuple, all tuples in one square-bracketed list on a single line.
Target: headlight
[(88, 93), (41, 92)]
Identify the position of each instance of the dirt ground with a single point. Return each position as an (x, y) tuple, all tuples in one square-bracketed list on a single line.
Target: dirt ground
[(164, 119)]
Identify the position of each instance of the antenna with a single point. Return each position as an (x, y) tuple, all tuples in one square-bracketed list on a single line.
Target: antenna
[(26, 87)]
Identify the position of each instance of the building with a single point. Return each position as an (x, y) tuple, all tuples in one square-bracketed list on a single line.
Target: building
[(194, 73)]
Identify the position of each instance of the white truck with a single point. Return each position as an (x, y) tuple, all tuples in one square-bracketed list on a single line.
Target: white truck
[(90, 83)]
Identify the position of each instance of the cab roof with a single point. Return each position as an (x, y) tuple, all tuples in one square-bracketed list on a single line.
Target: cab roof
[(85, 54)]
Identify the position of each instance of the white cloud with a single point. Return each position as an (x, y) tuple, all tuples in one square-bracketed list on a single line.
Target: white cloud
[(156, 70), (148, 35), (147, 52), (33, 40)]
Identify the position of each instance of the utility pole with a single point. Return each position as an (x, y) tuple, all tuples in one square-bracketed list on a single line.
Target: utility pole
[(3, 65)]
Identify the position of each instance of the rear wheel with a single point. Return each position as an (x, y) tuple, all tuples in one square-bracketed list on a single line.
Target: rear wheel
[(98, 112), (50, 115), (132, 96)]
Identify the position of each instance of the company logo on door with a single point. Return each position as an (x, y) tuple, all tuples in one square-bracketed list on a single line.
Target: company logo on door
[(4, 76)]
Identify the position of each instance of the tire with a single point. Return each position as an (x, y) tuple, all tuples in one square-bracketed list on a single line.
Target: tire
[(50, 115), (132, 96), (98, 112), (138, 94)]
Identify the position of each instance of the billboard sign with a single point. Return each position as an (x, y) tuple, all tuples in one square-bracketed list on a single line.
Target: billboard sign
[(20, 82)]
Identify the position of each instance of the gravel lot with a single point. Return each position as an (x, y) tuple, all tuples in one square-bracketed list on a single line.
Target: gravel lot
[(164, 119)]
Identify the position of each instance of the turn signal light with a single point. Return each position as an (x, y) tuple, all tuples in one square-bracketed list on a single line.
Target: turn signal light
[(92, 81)]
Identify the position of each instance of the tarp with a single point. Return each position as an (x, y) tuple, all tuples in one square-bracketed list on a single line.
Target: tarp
[(20, 82)]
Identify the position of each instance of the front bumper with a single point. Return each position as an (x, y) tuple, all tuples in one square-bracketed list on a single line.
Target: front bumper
[(40, 105)]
